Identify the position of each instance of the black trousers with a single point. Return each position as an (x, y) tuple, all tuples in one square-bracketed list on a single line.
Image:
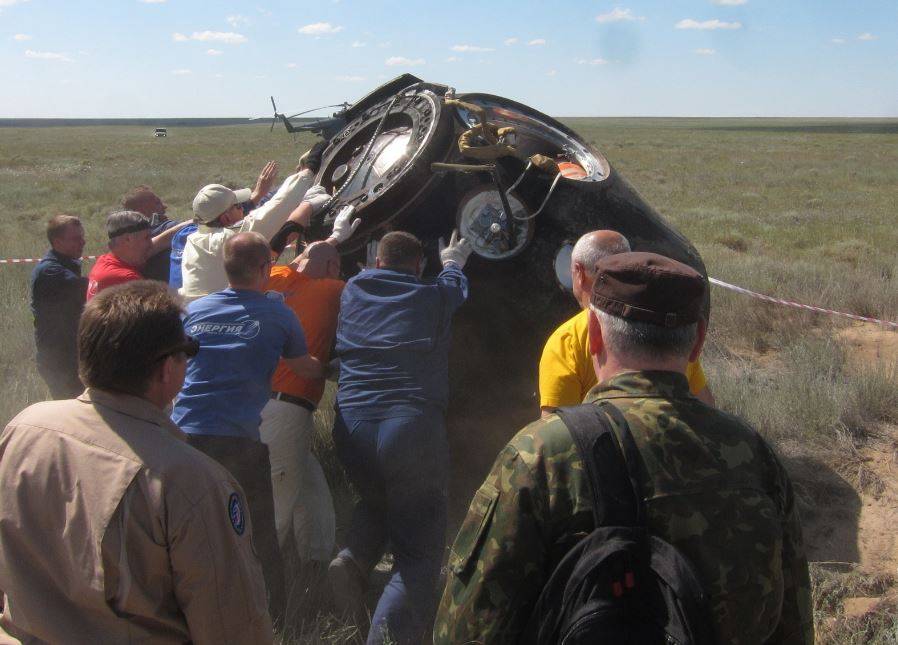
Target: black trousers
[(248, 462)]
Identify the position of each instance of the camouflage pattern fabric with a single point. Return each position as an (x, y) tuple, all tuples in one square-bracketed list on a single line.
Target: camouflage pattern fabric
[(713, 488)]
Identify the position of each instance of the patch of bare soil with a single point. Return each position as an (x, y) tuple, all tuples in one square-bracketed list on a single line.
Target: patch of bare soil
[(878, 521), (869, 343)]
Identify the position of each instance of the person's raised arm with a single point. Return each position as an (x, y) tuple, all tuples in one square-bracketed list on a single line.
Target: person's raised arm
[(452, 280), (263, 184), (270, 216), (162, 241)]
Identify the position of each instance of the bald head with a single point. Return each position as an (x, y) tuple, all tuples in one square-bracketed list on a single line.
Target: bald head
[(319, 260), (588, 250), (595, 245), (143, 200), (245, 256)]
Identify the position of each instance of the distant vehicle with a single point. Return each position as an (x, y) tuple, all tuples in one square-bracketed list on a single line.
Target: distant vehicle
[(160, 132)]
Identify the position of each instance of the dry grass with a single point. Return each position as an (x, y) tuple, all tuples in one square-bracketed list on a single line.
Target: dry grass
[(877, 626)]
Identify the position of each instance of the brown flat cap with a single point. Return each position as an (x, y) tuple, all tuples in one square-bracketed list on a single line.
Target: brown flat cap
[(649, 288)]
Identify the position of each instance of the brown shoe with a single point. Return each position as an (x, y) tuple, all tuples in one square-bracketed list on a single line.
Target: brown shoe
[(348, 589)]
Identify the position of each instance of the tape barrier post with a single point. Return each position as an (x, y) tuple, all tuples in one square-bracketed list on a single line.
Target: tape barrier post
[(798, 305)]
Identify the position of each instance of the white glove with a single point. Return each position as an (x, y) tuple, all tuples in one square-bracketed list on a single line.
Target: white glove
[(343, 229), (457, 251), (317, 196)]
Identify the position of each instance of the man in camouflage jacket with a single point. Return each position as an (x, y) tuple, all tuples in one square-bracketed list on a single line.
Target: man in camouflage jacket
[(713, 487)]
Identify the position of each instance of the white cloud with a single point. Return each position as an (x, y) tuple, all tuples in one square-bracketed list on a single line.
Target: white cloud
[(214, 52), (349, 79), (226, 37), (384, 45), (536, 42), (21, 37), (551, 72), (471, 48), (729, 3), (453, 59), (689, 23), (292, 65), (152, 1), (237, 20), (591, 61), (9, 3), (838, 41), (181, 72), (509, 41), (62, 58), (704, 51), (402, 60), (867, 36), (357, 44), (218, 76), (319, 29), (618, 15)]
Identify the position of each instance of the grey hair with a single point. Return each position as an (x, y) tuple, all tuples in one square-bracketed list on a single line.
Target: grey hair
[(122, 222), (643, 340), (587, 252)]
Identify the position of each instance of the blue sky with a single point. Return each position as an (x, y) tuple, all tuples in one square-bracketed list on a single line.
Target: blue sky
[(168, 58)]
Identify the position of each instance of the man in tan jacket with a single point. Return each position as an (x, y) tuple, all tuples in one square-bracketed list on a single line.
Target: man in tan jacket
[(112, 528)]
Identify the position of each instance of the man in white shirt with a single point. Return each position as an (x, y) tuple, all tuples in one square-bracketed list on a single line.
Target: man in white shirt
[(217, 210)]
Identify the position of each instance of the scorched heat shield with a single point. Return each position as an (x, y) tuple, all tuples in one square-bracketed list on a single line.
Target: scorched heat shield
[(522, 187)]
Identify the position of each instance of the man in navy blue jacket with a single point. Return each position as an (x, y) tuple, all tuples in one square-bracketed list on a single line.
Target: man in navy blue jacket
[(57, 298), (390, 430)]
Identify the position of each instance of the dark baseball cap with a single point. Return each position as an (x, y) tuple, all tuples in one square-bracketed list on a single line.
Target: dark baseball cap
[(650, 288)]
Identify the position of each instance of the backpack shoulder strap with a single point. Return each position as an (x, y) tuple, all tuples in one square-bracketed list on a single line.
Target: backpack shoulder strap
[(616, 501), (631, 457)]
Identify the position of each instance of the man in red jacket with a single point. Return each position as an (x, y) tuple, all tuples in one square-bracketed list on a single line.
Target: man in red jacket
[(130, 245)]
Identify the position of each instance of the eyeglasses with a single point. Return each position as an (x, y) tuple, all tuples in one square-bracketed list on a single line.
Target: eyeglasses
[(190, 346)]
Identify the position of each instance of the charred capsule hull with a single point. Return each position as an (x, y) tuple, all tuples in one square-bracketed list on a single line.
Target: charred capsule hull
[(398, 159)]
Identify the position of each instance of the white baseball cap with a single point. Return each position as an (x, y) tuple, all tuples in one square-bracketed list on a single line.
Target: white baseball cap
[(215, 199)]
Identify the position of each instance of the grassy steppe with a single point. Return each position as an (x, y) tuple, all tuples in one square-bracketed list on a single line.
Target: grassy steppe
[(801, 209)]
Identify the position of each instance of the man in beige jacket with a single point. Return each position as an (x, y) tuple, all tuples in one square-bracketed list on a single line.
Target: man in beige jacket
[(112, 528)]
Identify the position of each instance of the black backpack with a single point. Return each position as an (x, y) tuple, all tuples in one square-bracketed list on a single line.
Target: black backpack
[(619, 584)]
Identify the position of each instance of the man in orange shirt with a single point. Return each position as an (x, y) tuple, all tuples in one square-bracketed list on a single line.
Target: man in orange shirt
[(302, 499)]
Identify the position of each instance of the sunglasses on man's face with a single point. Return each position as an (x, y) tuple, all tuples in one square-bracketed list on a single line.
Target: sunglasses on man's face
[(189, 347)]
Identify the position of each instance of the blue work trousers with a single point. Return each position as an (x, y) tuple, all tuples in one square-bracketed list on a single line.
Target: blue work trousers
[(400, 468)]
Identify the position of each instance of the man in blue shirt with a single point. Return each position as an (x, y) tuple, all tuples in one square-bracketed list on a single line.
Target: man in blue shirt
[(242, 332), (390, 430), (57, 299), (179, 241)]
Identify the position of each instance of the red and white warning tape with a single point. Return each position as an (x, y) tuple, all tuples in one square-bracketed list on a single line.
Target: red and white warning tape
[(36, 260), (798, 305), (714, 281)]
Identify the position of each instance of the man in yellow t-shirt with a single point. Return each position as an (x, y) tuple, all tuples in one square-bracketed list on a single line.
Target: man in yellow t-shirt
[(565, 369)]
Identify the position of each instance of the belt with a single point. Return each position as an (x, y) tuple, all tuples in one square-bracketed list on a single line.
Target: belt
[(295, 400)]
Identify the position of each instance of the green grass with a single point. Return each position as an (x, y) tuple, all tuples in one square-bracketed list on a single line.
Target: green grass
[(804, 209)]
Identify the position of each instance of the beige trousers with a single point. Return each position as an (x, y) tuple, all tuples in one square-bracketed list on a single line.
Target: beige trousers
[(302, 499)]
